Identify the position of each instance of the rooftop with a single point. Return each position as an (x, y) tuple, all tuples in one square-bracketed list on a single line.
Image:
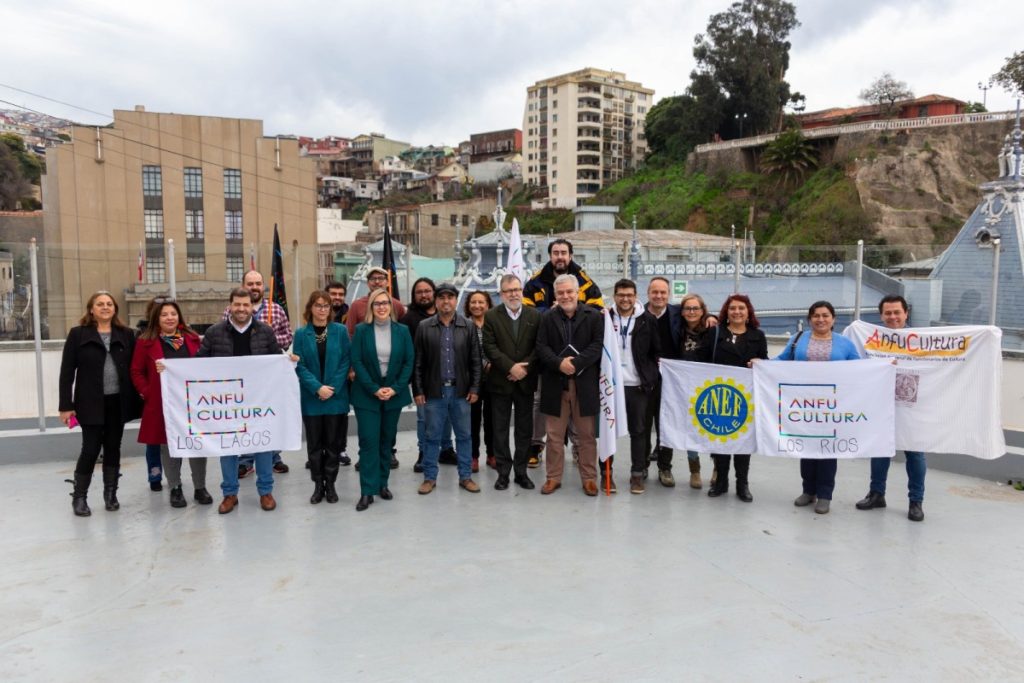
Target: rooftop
[(505, 586)]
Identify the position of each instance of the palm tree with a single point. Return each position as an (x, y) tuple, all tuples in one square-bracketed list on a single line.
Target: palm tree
[(789, 157)]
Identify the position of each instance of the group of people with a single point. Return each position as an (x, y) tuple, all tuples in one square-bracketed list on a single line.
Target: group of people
[(527, 368)]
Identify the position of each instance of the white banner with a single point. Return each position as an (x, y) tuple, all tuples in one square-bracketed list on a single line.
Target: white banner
[(707, 408), (948, 385), (231, 406), (611, 422), (840, 409), (515, 265)]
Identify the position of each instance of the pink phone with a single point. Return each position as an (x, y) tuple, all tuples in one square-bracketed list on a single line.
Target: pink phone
[(72, 422)]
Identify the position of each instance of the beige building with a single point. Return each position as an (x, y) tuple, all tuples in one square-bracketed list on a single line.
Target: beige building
[(582, 131), (430, 229), (114, 197)]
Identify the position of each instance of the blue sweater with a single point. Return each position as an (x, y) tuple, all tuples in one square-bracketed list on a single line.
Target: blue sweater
[(842, 348)]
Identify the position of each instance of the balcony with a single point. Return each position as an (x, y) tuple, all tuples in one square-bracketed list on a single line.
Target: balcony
[(588, 146), (588, 160), (587, 188), (588, 103), (585, 174)]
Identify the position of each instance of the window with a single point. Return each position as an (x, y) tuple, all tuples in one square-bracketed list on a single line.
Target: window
[(235, 269), (152, 183), (554, 118), (554, 146), (554, 174), (554, 190), (153, 219), (232, 183), (454, 220), (194, 224), (465, 220), (433, 219), (156, 270), (554, 132), (193, 182), (196, 265), (233, 226), (554, 104)]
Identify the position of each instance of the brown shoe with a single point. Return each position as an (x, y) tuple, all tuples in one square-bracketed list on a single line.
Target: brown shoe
[(469, 485), (550, 486), (267, 502), (476, 465), (228, 504), (590, 487), (427, 486), (695, 482)]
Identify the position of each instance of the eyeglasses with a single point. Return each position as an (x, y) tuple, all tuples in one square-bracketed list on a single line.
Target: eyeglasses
[(381, 304), (516, 290), (692, 309), (322, 307), (375, 278)]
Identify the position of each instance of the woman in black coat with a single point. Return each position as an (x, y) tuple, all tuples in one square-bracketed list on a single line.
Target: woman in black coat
[(736, 343), (96, 390)]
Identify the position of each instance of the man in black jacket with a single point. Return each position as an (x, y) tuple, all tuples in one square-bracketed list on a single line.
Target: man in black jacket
[(421, 308), (242, 335), (569, 344), (639, 351), (446, 381)]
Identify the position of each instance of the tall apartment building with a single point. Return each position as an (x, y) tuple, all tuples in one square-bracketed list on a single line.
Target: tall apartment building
[(216, 186), (583, 130)]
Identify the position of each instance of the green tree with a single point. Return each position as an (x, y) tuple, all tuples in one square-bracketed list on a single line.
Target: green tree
[(745, 52), (975, 108), (31, 167), (886, 91), (14, 187), (675, 125), (789, 157), (1011, 76)]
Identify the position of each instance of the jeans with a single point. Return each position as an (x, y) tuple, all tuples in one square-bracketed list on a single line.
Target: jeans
[(916, 468), (247, 459), (421, 432), (457, 409), (819, 476), (264, 473), (153, 462)]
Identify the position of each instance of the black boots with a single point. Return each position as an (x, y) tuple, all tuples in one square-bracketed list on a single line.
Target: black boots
[(720, 484), (742, 470), (110, 477), (318, 492), (79, 505)]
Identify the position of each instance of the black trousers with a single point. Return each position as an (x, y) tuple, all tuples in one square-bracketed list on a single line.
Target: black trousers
[(106, 436), (321, 442), (819, 476), (481, 412), (639, 427), (501, 409), (722, 469), (652, 422), (341, 444)]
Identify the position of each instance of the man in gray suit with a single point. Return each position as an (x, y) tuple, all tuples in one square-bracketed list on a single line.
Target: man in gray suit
[(510, 341)]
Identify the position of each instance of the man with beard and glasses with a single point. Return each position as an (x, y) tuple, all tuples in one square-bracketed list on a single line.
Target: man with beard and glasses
[(339, 309)]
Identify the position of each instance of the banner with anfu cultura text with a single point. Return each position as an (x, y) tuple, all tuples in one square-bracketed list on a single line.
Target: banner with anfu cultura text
[(839, 409), (231, 406), (948, 390), (707, 408)]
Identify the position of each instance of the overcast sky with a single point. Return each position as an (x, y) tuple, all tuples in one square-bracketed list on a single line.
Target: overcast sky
[(434, 72)]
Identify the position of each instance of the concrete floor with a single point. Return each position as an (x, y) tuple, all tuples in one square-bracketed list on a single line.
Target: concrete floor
[(511, 586)]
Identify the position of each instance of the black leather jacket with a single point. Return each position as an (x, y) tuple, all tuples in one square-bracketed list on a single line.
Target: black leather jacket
[(426, 374)]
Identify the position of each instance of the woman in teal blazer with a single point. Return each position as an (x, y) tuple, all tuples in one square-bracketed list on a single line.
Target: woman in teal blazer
[(382, 356), (323, 350)]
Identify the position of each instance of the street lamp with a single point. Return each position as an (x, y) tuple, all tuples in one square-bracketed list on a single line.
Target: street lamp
[(983, 87), (741, 118)]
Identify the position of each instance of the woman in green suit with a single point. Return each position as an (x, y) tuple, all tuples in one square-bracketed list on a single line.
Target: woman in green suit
[(382, 357), (323, 350)]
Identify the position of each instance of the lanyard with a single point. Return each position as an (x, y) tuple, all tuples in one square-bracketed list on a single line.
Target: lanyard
[(624, 329)]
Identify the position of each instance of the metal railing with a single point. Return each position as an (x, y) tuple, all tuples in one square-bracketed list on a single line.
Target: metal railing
[(846, 128)]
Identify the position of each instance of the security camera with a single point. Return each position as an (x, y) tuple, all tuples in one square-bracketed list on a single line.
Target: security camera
[(986, 237)]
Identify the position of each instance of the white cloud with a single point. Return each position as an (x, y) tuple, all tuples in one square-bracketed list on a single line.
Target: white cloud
[(433, 73)]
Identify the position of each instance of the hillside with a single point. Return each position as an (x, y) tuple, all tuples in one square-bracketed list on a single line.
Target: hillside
[(913, 187)]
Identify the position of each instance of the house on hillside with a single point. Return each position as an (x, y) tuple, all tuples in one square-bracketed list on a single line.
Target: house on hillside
[(919, 107)]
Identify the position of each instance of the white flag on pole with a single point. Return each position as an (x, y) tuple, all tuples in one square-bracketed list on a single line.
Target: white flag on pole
[(515, 265), (612, 415), (707, 408)]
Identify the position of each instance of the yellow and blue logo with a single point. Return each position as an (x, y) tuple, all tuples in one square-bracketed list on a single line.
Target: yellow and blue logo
[(721, 409)]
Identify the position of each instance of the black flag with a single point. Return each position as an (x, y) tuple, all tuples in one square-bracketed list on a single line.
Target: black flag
[(388, 260), (277, 293)]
